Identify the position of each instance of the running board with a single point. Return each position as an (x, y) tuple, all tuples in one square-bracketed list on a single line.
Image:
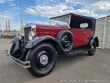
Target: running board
[(77, 51)]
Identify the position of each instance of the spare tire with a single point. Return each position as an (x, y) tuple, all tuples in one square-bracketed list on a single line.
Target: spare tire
[(65, 39)]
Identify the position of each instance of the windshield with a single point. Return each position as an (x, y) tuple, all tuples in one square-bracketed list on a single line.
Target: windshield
[(60, 20)]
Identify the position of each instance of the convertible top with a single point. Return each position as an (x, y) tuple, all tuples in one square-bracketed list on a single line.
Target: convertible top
[(75, 18), (75, 15)]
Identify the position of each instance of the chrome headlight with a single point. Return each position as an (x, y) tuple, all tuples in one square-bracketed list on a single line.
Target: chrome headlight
[(31, 35), (33, 26)]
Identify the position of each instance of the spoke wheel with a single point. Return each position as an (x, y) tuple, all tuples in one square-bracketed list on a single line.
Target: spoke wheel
[(42, 60)]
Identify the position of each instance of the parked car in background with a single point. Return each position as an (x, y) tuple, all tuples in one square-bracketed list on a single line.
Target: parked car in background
[(38, 47)]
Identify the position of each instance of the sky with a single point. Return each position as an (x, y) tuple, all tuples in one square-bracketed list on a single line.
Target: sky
[(39, 11)]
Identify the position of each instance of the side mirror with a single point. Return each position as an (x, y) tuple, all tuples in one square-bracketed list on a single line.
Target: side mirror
[(83, 25)]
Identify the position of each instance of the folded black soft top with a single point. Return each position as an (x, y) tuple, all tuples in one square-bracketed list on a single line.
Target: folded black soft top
[(76, 15), (75, 18)]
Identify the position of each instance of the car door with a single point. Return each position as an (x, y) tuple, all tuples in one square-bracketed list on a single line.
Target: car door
[(88, 34), (78, 34)]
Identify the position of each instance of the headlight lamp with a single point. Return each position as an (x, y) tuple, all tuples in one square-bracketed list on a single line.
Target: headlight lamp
[(31, 35)]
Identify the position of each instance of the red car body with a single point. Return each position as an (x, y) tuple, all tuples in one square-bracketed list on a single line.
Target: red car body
[(81, 37)]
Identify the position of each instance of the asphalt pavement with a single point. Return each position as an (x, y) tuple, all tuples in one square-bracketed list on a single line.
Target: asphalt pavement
[(76, 69)]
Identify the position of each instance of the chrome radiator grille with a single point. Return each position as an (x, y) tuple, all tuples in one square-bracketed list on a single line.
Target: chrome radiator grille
[(26, 32)]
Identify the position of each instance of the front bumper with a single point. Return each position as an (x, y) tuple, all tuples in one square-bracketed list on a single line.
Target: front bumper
[(23, 64)]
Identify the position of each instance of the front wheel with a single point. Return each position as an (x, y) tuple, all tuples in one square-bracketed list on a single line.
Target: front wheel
[(42, 60), (12, 49), (17, 53), (92, 50)]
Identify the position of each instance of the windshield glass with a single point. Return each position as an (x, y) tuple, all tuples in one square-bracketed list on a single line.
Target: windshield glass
[(61, 20)]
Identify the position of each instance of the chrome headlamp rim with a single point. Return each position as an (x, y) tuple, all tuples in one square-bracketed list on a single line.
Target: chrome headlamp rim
[(31, 35)]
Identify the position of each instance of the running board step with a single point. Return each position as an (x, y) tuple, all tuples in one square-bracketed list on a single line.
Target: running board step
[(76, 52)]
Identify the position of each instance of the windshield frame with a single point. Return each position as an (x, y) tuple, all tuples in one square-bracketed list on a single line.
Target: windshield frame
[(62, 19)]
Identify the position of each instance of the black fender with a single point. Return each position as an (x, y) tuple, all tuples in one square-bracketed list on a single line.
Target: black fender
[(16, 42), (95, 38), (45, 39)]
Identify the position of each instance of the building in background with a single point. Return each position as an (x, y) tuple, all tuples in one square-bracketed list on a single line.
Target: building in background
[(7, 26), (103, 31)]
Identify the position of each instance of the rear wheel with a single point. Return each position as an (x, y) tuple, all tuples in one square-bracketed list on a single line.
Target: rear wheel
[(92, 50), (42, 60)]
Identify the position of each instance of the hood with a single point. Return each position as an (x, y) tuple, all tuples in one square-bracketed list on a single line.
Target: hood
[(51, 26)]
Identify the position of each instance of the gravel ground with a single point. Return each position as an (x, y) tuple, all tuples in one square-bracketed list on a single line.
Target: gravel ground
[(75, 69)]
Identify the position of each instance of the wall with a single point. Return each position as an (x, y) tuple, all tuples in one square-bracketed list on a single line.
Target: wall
[(103, 32)]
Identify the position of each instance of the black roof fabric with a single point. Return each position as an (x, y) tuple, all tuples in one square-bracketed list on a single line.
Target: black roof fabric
[(86, 17), (76, 17)]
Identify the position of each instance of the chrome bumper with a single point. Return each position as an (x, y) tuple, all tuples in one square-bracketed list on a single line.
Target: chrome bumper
[(23, 64)]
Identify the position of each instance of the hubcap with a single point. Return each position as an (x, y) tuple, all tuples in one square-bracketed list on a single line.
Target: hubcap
[(65, 41), (44, 59)]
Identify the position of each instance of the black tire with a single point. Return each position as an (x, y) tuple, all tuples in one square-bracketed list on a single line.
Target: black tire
[(38, 68), (65, 39), (12, 49), (92, 50), (17, 53)]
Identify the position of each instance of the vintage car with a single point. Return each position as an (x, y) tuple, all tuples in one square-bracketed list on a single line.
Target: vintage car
[(39, 46)]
